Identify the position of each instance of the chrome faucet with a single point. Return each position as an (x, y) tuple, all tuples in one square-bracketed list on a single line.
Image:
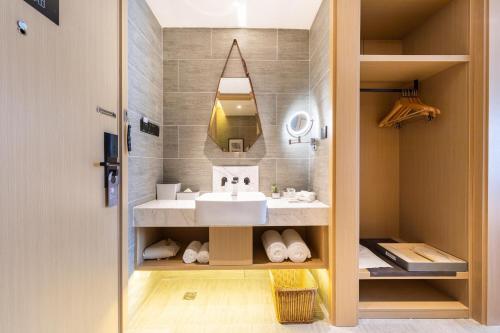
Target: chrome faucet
[(234, 189)]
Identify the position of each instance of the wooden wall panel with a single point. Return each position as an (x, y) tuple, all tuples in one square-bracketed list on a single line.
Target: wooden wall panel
[(434, 167), (231, 246), (345, 233), (392, 47), (478, 87), (445, 32), (379, 170), (493, 313)]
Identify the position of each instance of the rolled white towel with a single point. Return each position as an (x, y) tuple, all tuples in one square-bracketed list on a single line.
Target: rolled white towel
[(160, 250), (297, 249), (273, 244), (306, 196), (203, 255), (191, 252)]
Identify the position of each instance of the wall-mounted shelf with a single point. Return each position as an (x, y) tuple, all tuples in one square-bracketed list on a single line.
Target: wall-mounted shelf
[(407, 299), (406, 68)]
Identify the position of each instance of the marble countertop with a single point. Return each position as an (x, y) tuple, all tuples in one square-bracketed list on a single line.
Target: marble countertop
[(181, 213)]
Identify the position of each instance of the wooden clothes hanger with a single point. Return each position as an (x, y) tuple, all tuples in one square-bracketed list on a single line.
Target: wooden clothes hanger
[(407, 107)]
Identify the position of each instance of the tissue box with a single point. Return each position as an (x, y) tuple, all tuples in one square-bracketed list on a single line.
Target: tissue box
[(167, 191), (187, 195)]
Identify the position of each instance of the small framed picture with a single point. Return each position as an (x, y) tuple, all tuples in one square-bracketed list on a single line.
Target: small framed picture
[(236, 145)]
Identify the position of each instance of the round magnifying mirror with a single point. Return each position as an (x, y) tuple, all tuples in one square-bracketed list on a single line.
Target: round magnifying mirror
[(299, 124)]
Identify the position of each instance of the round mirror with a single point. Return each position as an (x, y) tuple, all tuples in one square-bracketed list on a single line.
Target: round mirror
[(299, 124)]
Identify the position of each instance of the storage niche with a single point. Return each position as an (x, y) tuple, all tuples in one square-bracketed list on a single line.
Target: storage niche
[(414, 179), (433, 27)]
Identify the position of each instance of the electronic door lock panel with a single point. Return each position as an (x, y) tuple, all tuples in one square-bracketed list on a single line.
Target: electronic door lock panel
[(111, 169)]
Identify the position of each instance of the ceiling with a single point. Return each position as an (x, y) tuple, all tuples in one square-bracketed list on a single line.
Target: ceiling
[(281, 14)]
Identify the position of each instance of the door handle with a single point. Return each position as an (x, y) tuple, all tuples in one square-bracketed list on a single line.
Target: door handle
[(109, 164)]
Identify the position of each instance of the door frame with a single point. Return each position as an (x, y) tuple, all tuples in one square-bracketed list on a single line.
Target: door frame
[(122, 133), (478, 180)]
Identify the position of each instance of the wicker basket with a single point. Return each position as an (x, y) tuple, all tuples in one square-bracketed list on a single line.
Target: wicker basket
[(294, 294)]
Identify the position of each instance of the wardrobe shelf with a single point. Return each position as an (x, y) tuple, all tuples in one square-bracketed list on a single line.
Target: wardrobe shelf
[(364, 274), (407, 299), (394, 19), (406, 68), (260, 261)]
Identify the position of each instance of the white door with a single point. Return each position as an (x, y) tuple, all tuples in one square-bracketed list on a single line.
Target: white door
[(58, 241)]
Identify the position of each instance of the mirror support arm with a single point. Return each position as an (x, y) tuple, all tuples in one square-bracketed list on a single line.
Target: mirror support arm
[(313, 142)]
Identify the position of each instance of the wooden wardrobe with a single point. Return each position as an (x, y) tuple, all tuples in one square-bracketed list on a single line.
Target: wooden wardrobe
[(424, 181)]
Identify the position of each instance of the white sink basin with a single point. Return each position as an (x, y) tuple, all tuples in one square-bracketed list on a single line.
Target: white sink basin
[(247, 208)]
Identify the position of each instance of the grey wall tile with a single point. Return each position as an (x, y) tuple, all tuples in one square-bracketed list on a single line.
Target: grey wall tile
[(321, 105), (319, 65), (170, 75), (131, 253), (170, 141), (150, 40), (144, 145), (187, 43), (192, 141), (234, 68), (145, 89), (143, 96), (320, 27), (144, 174), (267, 175), (187, 108), (193, 173), (276, 138), (199, 75), (255, 44), (288, 104), (319, 175), (266, 105), (292, 173), (280, 76), (293, 44), (145, 56), (320, 101), (141, 16), (267, 171), (277, 84)]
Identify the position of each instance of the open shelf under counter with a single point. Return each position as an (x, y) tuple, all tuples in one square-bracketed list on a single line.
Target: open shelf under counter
[(406, 68), (260, 261), (407, 299)]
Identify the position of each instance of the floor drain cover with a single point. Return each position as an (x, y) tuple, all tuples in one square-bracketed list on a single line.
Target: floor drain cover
[(190, 295)]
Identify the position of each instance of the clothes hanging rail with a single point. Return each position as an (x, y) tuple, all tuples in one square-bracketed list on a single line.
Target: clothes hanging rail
[(399, 90)]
